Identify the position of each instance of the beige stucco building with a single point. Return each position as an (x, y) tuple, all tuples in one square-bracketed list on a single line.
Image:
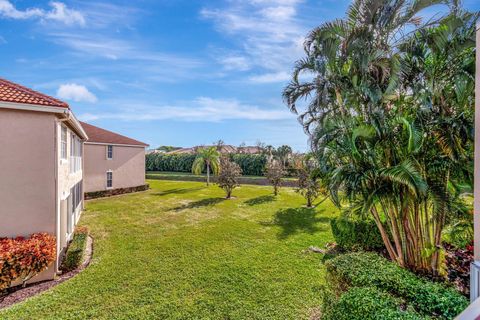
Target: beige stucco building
[(46, 166), (112, 161), (41, 177)]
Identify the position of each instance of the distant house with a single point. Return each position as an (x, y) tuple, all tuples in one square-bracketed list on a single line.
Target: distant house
[(112, 161), (41, 177), (223, 149)]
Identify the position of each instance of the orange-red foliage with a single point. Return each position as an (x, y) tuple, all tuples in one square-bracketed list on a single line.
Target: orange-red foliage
[(22, 258)]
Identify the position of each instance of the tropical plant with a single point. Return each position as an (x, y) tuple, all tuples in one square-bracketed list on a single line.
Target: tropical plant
[(209, 158), (390, 116), (228, 177), (283, 153), (274, 172)]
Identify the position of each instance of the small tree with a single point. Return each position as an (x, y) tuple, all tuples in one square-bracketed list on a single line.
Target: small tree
[(274, 173), (227, 179), (308, 182), (208, 157)]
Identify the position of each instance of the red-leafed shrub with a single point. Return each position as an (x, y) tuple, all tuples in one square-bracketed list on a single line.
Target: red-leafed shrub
[(22, 258), (458, 265)]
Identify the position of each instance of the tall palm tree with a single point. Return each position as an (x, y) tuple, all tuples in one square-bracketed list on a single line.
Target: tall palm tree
[(209, 158), (389, 114)]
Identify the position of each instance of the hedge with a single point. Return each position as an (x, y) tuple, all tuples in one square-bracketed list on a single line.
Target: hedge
[(368, 269), (115, 192), (76, 250), (251, 164), (364, 303), (353, 234), (22, 258)]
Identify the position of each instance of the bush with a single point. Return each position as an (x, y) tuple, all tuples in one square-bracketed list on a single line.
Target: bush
[(76, 250), (354, 235), (251, 164), (367, 303), (371, 270), (228, 176), (22, 258)]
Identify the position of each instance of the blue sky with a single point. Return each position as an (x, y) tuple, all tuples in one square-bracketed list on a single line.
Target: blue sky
[(168, 72)]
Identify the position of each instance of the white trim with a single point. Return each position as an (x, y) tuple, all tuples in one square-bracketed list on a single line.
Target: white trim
[(49, 109), (106, 180), (33, 107), (115, 144), (106, 151)]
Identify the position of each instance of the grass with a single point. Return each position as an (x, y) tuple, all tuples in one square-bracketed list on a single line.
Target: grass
[(188, 176), (181, 251)]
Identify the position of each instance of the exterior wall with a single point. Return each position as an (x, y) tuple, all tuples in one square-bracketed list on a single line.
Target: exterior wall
[(27, 175), (127, 166), (66, 180)]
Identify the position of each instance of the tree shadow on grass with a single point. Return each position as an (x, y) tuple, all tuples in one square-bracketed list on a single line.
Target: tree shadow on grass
[(176, 191), (260, 200), (297, 220), (200, 203)]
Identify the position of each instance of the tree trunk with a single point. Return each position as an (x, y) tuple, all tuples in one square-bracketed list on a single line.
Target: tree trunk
[(208, 174)]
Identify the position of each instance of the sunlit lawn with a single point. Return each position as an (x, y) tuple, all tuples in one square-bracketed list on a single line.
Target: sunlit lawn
[(181, 251)]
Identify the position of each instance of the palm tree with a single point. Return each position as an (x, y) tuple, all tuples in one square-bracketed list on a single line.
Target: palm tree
[(389, 116), (207, 157)]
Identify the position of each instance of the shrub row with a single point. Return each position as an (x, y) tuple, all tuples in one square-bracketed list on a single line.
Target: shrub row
[(76, 250), (362, 269), (360, 303), (114, 192), (251, 164), (22, 258), (354, 234)]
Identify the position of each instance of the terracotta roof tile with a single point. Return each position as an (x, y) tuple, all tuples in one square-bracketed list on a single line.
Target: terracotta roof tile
[(99, 135), (12, 92)]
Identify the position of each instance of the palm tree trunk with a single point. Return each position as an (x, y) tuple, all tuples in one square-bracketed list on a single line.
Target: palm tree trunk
[(208, 174)]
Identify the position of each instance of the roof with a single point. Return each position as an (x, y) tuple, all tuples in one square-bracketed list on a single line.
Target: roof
[(99, 135), (15, 93), (224, 149)]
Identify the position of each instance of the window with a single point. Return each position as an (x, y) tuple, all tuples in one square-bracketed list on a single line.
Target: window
[(109, 179), (74, 200), (75, 154), (109, 152), (63, 143)]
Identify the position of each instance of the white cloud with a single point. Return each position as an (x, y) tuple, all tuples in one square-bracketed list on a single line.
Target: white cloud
[(268, 31), (75, 92), (271, 77), (202, 109), (235, 63), (58, 12), (61, 13)]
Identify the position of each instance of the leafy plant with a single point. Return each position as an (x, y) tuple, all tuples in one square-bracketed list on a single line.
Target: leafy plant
[(227, 179), (362, 269), (22, 258), (209, 158), (356, 234), (274, 173), (76, 250), (389, 114), (367, 303)]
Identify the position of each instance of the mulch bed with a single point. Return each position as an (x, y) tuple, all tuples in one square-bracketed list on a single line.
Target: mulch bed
[(18, 294)]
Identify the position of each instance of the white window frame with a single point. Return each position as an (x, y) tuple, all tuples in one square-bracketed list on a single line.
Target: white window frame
[(111, 179), (109, 153), (63, 143)]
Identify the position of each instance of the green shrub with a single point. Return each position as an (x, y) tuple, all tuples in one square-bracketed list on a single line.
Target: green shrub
[(76, 250), (251, 164), (364, 303), (352, 234), (367, 269)]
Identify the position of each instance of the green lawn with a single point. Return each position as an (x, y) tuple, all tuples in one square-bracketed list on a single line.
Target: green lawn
[(181, 251)]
